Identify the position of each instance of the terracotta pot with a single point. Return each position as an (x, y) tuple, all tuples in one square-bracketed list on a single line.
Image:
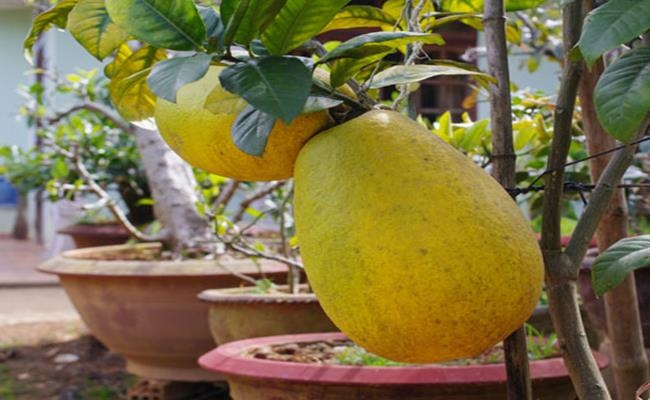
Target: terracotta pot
[(93, 235), (258, 379), (147, 311), (596, 306), (239, 313)]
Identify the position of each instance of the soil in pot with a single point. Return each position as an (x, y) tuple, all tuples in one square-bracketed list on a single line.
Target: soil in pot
[(256, 371)]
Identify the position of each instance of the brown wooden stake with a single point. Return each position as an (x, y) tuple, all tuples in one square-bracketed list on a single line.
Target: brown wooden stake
[(503, 162)]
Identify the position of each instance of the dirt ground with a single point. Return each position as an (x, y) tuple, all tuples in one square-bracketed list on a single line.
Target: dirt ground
[(61, 361)]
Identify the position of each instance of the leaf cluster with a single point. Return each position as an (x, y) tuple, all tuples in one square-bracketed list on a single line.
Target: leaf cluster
[(155, 47)]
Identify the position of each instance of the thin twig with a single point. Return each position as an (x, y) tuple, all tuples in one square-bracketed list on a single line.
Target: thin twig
[(96, 108), (243, 206), (110, 204)]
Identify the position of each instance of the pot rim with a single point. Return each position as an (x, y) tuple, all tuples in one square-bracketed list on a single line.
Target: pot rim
[(227, 359), (72, 262), (242, 295)]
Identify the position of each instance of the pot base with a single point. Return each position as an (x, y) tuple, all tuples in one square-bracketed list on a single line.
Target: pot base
[(189, 374)]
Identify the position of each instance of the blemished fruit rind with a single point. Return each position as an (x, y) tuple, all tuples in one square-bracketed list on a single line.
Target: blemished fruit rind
[(412, 250), (203, 138)]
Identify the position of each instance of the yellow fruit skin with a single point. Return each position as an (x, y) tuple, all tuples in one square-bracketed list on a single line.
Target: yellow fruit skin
[(203, 138), (413, 251)]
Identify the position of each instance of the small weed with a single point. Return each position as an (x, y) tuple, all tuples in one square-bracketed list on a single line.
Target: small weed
[(264, 286), (9, 388), (540, 345), (355, 355)]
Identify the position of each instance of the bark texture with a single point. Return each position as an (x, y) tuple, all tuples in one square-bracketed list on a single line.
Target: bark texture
[(172, 186), (503, 162), (561, 268), (629, 361)]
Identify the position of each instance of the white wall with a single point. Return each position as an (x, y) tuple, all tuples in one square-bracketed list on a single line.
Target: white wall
[(545, 78), (63, 55)]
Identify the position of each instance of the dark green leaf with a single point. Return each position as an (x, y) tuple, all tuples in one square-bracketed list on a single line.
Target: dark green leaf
[(227, 9), (57, 15), (258, 16), (257, 47), (318, 103), (622, 95), (213, 27), (90, 25), (623, 257), (613, 23), (403, 74), (297, 22), (251, 130), (275, 85), (361, 17), (363, 45), (128, 88), (170, 75), (235, 20), (174, 25)]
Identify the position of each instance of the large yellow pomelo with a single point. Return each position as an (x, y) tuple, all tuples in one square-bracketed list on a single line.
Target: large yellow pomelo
[(413, 251), (203, 138)]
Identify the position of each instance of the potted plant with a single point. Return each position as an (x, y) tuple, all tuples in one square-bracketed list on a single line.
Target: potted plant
[(123, 293), (257, 369)]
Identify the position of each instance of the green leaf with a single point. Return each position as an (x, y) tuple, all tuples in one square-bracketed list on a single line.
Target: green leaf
[(128, 88), (60, 169), (477, 5), (123, 53), (297, 22), (361, 17), (258, 16), (345, 69), (623, 257), (90, 25), (275, 85), (168, 76), (251, 130), (613, 23), (378, 42), (174, 25), (57, 15), (318, 103), (622, 95), (403, 74), (213, 27)]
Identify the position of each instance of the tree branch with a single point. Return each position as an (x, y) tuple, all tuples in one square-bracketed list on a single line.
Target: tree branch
[(561, 271), (503, 158), (108, 202), (97, 108)]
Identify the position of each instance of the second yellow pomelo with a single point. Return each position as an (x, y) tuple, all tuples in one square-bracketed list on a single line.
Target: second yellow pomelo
[(203, 138), (412, 250)]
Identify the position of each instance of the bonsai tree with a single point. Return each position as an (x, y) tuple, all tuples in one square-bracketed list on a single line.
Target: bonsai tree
[(269, 53)]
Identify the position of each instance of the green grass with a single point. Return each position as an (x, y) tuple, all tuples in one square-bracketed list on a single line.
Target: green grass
[(9, 388)]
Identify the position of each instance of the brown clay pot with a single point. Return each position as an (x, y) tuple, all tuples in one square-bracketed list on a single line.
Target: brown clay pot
[(93, 235), (259, 379), (147, 311), (239, 313)]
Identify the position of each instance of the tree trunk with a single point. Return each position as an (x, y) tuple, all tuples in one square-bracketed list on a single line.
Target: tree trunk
[(503, 159), (173, 189), (629, 362), (21, 228)]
